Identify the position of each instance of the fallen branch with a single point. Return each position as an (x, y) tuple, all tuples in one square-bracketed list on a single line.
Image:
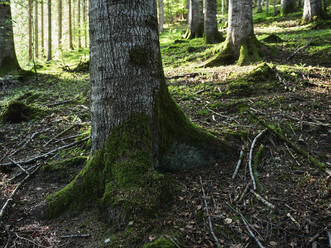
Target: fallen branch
[(207, 212), (294, 220), (298, 50), (60, 134), (60, 103), (251, 232), (70, 137), (239, 162), (251, 157), (45, 155), (71, 236), (244, 192), (19, 166), (259, 197)]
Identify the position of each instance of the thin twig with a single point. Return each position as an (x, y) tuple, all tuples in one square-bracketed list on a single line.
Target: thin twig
[(250, 232), (60, 134), (244, 192), (239, 162), (45, 155), (60, 103), (294, 220), (209, 218), (19, 166), (251, 157), (71, 236), (259, 197)]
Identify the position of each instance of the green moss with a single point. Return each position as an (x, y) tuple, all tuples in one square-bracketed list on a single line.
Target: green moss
[(18, 111), (249, 51), (161, 242), (272, 39), (224, 55)]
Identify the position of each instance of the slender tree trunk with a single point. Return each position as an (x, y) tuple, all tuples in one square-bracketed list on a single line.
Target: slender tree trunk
[(36, 30), (287, 6), (84, 22), (60, 23), (222, 11), (195, 20), (136, 125), (74, 30), (161, 15), (275, 8), (79, 25), (30, 29), (259, 6), (325, 5), (42, 28), (312, 9), (211, 33), (241, 43), (8, 59), (71, 47), (49, 55), (267, 7)]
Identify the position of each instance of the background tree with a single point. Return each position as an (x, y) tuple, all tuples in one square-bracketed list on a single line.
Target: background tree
[(49, 55), (42, 28), (211, 33), (79, 25), (161, 14), (312, 9), (8, 60), (36, 29), (85, 22), (136, 125), (287, 6), (259, 6), (241, 43), (60, 23), (195, 19), (71, 47), (30, 30)]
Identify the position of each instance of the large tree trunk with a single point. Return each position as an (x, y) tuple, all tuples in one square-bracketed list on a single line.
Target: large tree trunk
[(287, 6), (49, 5), (59, 15), (71, 47), (8, 60), (161, 15), (30, 30), (36, 30), (136, 125), (241, 43), (312, 9), (195, 19), (211, 33)]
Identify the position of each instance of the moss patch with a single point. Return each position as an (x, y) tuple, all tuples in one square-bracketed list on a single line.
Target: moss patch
[(161, 242), (272, 39)]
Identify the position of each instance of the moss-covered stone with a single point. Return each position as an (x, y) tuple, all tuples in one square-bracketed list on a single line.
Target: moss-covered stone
[(161, 242), (18, 111)]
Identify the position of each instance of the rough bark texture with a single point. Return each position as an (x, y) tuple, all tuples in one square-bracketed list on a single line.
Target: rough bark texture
[(161, 15), (312, 9), (8, 60), (136, 125), (30, 30), (59, 16), (287, 6), (241, 43), (36, 30), (211, 33), (70, 25), (49, 55), (195, 18)]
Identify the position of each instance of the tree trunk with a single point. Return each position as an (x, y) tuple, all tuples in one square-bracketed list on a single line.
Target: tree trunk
[(85, 22), (241, 43), (275, 8), (79, 25), (267, 7), (71, 47), (287, 6), (8, 59), (161, 15), (312, 9), (49, 55), (211, 33), (60, 24), (195, 17), (222, 10), (36, 30), (42, 28), (30, 30), (259, 6), (136, 125), (74, 33)]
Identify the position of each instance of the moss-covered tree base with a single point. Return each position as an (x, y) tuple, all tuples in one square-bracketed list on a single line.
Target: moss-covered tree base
[(121, 178), (248, 52), (189, 34), (213, 38), (9, 65)]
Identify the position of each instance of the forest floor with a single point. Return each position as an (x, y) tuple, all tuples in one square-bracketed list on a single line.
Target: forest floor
[(289, 98)]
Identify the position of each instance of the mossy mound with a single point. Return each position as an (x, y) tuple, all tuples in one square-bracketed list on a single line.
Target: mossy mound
[(18, 111), (161, 242), (272, 39), (62, 171), (260, 80)]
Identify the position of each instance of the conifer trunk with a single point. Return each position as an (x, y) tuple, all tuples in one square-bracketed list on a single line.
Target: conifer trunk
[(8, 60), (312, 9), (85, 22), (30, 30), (195, 18), (71, 47), (36, 30), (211, 33), (49, 55), (287, 6), (161, 15), (60, 24), (42, 28), (79, 25)]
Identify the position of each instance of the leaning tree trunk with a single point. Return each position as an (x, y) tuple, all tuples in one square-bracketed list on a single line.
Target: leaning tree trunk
[(195, 19), (211, 33), (287, 6), (161, 15), (136, 125), (241, 43), (312, 9), (8, 60), (49, 54)]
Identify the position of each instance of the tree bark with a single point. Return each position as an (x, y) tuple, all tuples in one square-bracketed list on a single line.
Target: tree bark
[(267, 7), (136, 125), (312, 9), (275, 8), (241, 43), (71, 47), (223, 7), (36, 30), (79, 25), (161, 15), (195, 17), (287, 6), (30, 30), (211, 33), (59, 15), (8, 59), (42, 28), (85, 22), (259, 6), (49, 55)]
